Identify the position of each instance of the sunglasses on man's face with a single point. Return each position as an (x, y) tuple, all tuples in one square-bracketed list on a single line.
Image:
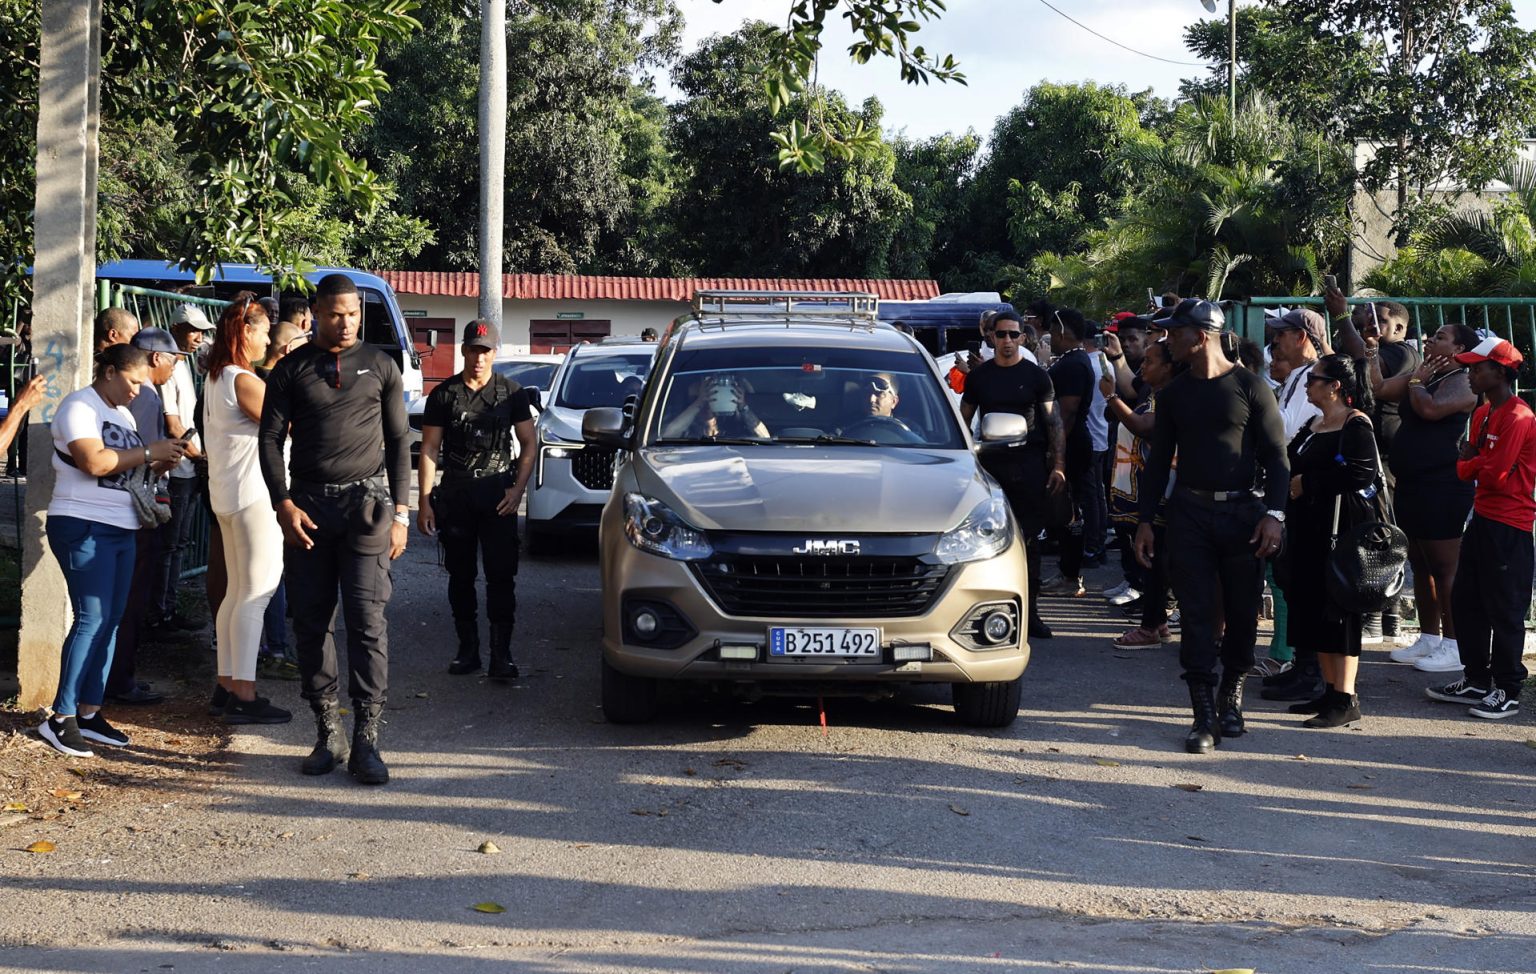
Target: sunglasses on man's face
[(1010, 335)]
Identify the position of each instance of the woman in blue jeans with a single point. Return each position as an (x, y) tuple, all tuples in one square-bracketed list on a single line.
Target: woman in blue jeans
[(91, 529)]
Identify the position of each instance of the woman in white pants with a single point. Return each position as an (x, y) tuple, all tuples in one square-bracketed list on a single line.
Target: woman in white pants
[(253, 543)]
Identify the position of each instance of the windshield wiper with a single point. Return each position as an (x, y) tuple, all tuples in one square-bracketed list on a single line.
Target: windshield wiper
[(827, 438), (711, 441)]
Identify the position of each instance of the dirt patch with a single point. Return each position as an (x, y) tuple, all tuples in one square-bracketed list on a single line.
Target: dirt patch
[(177, 752)]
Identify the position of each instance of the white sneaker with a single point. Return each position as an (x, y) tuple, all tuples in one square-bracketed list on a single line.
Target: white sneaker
[(1129, 595), (1110, 593), (1445, 659), (1427, 643)]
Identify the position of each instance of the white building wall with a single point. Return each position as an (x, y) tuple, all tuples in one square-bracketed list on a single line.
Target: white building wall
[(627, 317)]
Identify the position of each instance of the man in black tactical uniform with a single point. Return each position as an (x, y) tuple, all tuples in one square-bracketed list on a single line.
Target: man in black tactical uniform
[(343, 503), (468, 425)]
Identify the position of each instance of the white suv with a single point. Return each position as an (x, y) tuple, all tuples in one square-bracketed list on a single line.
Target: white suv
[(571, 479)]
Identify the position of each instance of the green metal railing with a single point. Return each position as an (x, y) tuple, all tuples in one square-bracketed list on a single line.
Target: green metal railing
[(156, 309), (1510, 318)]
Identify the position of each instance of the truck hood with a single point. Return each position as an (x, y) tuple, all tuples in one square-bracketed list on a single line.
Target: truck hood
[(814, 489)]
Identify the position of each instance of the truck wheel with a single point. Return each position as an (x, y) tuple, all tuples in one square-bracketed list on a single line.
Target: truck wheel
[(628, 699), (987, 704)]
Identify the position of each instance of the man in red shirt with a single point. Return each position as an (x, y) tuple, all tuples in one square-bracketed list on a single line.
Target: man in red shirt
[(1493, 580)]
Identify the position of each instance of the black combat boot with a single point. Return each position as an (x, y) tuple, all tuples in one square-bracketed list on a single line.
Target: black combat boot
[(502, 667), (468, 660), (1229, 705), (1205, 732), (331, 741), (366, 765)]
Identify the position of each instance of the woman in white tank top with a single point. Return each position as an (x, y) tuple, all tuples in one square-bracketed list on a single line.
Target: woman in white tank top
[(253, 543)]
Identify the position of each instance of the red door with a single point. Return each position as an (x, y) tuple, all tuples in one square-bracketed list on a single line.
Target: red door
[(554, 337), (436, 363)]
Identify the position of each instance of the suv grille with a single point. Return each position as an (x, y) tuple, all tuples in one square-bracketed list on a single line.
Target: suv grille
[(795, 587), (593, 468)]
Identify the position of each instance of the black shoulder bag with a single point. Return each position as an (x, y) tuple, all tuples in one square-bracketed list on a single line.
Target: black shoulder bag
[(1367, 562)]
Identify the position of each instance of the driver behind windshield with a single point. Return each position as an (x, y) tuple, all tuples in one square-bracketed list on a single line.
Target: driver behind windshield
[(719, 410), (883, 396)]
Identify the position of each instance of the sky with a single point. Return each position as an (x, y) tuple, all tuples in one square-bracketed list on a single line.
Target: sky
[(1004, 47)]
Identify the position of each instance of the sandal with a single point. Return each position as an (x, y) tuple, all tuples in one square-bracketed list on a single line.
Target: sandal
[(1140, 638)]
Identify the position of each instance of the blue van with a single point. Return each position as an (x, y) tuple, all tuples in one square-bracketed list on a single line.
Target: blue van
[(383, 324), (949, 323)]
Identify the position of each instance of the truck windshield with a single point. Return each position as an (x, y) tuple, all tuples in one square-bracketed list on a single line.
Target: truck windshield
[(834, 396)]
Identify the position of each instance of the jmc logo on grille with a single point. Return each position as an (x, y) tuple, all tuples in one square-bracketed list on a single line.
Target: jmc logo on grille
[(815, 547)]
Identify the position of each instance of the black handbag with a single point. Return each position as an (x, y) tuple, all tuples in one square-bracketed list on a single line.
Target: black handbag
[(1367, 563)]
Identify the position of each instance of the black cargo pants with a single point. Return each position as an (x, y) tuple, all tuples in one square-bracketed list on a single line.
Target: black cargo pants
[(351, 555), (468, 526), (1216, 577)]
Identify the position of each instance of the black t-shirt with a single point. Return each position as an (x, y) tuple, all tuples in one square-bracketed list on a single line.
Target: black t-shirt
[(491, 411), (346, 413), (1227, 434), (1022, 389), (1074, 375), (1397, 358)]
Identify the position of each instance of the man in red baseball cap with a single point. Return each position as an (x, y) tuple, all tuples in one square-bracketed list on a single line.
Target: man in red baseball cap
[(1493, 577)]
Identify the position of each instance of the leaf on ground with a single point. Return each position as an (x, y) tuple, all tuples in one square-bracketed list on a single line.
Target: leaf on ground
[(1301, 757), (1186, 786), (1530, 743), (14, 807), (38, 848), (641, 811), (285, 835), (1197, 838), (1234, 970), (1106, 763), (582, 845), (66, 794), (958, 810), (690, 772), (489, 908), (730, 763), (1360, 787), (489, 848), (358, 876), (78, 772), (1054, 750), (422, 694)]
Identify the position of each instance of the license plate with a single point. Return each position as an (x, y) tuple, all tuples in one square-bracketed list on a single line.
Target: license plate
[(786, 641)]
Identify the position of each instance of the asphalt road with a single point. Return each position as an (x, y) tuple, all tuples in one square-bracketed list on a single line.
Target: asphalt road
[(733, 837)]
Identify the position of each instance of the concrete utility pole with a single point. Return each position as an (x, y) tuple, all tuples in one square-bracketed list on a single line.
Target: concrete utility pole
[(63, 282), (493, 152)]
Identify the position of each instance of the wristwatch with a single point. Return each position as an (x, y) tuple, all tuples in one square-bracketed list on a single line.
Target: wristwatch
[(1277, 515)]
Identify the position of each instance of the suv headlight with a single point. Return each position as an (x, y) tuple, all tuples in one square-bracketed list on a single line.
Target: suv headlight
[(985, 532), (653, 527), (555, 447)]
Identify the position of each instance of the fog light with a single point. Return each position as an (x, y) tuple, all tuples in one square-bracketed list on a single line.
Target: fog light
[(558, 452), (907, 653), (743, 652), (996, 627), (645, 623)]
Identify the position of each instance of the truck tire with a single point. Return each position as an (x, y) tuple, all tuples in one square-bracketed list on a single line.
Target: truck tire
[(628, 699), (987, 704)]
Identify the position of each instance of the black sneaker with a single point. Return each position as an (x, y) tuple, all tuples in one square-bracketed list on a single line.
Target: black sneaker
[(63, 735), (1458, 692), (1496, 706), (95, 728), (1039, 630), (218, 701), (258, 711)]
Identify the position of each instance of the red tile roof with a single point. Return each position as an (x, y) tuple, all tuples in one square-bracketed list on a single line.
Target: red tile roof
[(555, 287)]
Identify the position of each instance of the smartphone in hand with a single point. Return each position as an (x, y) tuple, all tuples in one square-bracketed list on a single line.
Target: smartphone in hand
[(1330, 282)]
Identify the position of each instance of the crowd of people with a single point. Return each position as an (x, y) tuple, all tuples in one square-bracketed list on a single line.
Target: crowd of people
[(1216, 467), (1235, 469)]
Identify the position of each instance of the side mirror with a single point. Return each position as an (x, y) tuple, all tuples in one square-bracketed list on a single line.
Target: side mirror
[(535, 397), (1003, 429), (604, 426)]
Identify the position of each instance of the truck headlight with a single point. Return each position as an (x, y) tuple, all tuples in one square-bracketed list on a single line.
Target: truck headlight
[(985, 532), (653, 527)]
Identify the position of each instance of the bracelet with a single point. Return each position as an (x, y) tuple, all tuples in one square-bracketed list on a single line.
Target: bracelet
[(1116, 358), (1415, 381), (1343, 317), (1112, 397), (403, 517), (147, 458)]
